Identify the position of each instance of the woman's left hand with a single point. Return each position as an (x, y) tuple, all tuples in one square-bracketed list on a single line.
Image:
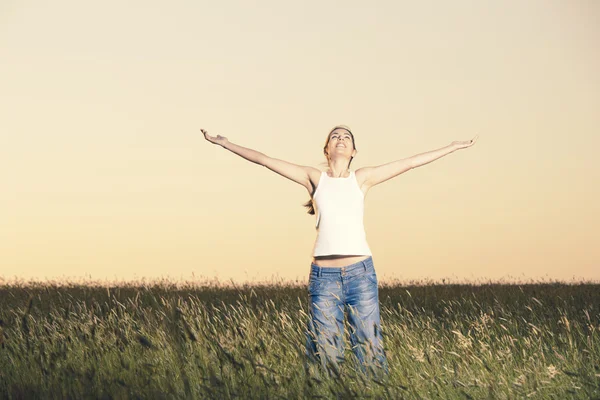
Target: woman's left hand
[(463, 145)]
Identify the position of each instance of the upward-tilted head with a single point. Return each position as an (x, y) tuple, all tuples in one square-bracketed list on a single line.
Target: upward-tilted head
[(340, 145), (340, 150)]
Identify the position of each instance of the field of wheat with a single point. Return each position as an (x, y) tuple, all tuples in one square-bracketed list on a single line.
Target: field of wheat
[(166, 340)]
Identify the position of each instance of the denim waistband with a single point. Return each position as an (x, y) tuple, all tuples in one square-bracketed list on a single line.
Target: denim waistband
[(357, 267)]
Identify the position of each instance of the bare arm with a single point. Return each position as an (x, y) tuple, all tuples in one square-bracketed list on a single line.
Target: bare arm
[(296, 173), (427, 157), (251, 155), (381, 173)]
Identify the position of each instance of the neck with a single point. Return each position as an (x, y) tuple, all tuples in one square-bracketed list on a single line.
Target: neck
[(338, 168)]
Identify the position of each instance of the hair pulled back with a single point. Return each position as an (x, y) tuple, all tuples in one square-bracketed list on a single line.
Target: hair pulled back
[(309, 204)]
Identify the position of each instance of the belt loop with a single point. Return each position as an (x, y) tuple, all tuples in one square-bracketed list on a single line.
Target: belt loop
[(364, 265), (319, 271)]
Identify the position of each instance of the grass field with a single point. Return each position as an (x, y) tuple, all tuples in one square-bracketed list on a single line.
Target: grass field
[(165, 340)]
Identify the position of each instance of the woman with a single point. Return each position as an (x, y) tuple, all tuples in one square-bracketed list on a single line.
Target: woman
[(342, 274)]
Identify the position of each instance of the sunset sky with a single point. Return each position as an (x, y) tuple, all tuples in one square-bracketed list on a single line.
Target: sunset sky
[(105, 173)]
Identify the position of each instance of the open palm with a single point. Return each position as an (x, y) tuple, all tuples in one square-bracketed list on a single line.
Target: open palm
[(220, 140), (465, 144)]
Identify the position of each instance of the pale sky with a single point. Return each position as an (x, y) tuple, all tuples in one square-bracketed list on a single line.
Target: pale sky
[(105, 173)]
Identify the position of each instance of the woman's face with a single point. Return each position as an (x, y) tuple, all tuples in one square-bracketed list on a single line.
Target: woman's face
[(340, 144)]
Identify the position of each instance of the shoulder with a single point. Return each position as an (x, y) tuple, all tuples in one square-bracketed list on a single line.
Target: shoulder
[(314, 174), (313, 170), (361, 175)]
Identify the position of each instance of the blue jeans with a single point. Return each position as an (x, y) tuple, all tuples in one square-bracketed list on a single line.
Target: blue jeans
[(333, 291)]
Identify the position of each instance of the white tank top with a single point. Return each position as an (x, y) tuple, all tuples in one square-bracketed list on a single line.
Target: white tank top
[(339, 205)]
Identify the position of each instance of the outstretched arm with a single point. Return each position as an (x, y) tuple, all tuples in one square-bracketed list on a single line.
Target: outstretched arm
[(426, 158), (296, 173), (381, 173), (249, 154), (429, 156)]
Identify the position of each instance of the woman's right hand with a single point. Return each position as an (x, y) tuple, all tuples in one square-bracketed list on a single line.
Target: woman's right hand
[(220, 140)]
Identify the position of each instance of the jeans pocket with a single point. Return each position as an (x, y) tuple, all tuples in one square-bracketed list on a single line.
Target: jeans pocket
[(372, 277), (315, 284)]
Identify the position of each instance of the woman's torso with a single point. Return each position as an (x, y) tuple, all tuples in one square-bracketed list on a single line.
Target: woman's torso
[(338, 260)]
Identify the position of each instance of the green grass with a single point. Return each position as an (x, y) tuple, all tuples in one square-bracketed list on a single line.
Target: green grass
[(161, 340)]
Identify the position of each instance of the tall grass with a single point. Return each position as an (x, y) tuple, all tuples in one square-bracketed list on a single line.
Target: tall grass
[(160, 340)]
